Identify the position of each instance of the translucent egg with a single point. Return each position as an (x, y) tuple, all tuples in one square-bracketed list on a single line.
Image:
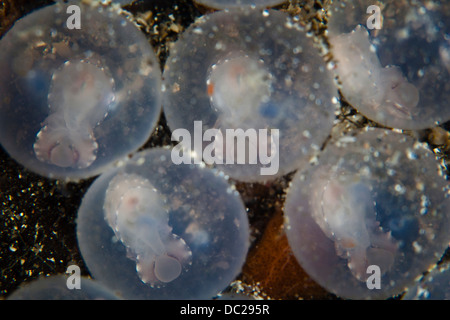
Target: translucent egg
[(55, 288), (247, 91), (74, 101), (393, 59), (434, 286), (229, 4), (371, 216), (155, 230)]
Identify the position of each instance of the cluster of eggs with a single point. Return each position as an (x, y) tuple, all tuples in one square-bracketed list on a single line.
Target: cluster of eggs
[(152, 228)]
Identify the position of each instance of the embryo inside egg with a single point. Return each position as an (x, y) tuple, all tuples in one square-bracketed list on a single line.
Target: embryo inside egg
[(238, 87), (76, 100), (255, 74), (228, 4), (361, 208)]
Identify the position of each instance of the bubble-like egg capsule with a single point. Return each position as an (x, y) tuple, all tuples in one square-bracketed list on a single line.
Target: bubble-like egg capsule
[(74, 101), (133, 209), (392, 60), (255, 75), (229, 4), (360, 224), (61, 287), (155, 230)]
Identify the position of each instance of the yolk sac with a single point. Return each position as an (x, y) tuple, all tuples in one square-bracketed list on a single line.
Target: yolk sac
[(229, 4), (155, 230), (359, 219), (56, 288), (393, 60), (258, 87), (75, 101), (434, 286)]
